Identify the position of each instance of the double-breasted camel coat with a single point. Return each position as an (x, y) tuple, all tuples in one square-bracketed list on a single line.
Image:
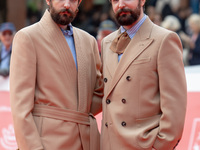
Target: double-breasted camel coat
[(145, 94), (52, 101)]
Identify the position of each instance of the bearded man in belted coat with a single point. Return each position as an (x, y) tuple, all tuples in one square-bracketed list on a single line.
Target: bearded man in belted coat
[(55, 83)]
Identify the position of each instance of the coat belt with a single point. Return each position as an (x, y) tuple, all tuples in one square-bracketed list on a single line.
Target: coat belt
[(72, 116)]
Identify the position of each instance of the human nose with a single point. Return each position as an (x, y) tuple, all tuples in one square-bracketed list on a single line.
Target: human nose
[(121, 4), (67, 4)]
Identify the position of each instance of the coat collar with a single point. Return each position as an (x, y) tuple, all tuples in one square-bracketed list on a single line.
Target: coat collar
[(56, 38), (59, 44), (138, 44)]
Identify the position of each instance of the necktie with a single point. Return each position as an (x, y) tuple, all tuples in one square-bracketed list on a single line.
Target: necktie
[(120, 43)]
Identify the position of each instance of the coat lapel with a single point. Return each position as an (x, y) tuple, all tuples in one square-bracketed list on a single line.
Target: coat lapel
[(112, 60), (137, 45), (57, 44), (112, 63), (81, 56)]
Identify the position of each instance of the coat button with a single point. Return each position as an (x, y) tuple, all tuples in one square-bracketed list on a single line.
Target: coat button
[(128, 78), (105, 80), (123, 124), (108, 101), (123, 100), (106, 124)]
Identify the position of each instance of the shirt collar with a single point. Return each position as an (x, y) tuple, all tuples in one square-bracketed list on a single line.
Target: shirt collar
[(132, 31), (69, 31)]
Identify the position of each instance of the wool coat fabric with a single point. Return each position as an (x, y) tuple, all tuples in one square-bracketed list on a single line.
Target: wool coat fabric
[(53, 103), (145, 93)]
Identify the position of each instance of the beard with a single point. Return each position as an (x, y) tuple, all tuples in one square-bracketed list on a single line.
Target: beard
[(62, 17), (129, 17)]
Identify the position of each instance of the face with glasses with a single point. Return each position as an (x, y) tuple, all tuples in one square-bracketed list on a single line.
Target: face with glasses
[(128, 12), (6, 38), (63, 12)]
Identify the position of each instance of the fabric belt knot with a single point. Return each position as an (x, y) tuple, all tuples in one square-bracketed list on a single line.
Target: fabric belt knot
[(120, 43)]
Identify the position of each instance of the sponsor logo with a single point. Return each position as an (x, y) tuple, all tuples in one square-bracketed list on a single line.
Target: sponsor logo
[(8, 140), (7, 135), (5, 109)]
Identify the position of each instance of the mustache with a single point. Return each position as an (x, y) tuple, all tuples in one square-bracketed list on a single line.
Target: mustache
[(123, 10), (66, 10)]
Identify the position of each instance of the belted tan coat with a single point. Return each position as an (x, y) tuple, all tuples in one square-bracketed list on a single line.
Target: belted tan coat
[(145, 93), (53, 103)]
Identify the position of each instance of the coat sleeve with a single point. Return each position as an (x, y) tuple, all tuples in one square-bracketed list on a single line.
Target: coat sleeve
[(98, 91), (22, 91), (173, 93)]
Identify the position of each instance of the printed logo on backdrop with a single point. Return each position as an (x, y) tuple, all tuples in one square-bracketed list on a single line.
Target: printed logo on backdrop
[(7, 136), (195, 135)]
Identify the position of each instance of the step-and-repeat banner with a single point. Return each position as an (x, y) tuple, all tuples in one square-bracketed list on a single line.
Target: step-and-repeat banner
[(191, 134), (7, 136)]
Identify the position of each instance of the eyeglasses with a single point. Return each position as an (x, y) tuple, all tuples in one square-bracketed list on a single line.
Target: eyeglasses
[(10, 33)]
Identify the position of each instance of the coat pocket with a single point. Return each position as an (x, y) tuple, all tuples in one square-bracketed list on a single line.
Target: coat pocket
[(148, 129)]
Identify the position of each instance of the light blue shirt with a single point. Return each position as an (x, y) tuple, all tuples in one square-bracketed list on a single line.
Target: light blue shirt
[(132, 31), (70, 40), (5, 58)]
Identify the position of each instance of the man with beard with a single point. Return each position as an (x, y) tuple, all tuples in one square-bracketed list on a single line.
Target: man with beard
[(145, 93), (55, 83)]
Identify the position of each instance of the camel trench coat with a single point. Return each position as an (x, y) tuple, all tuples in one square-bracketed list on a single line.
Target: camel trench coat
[(53, 103), (145, 93)]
